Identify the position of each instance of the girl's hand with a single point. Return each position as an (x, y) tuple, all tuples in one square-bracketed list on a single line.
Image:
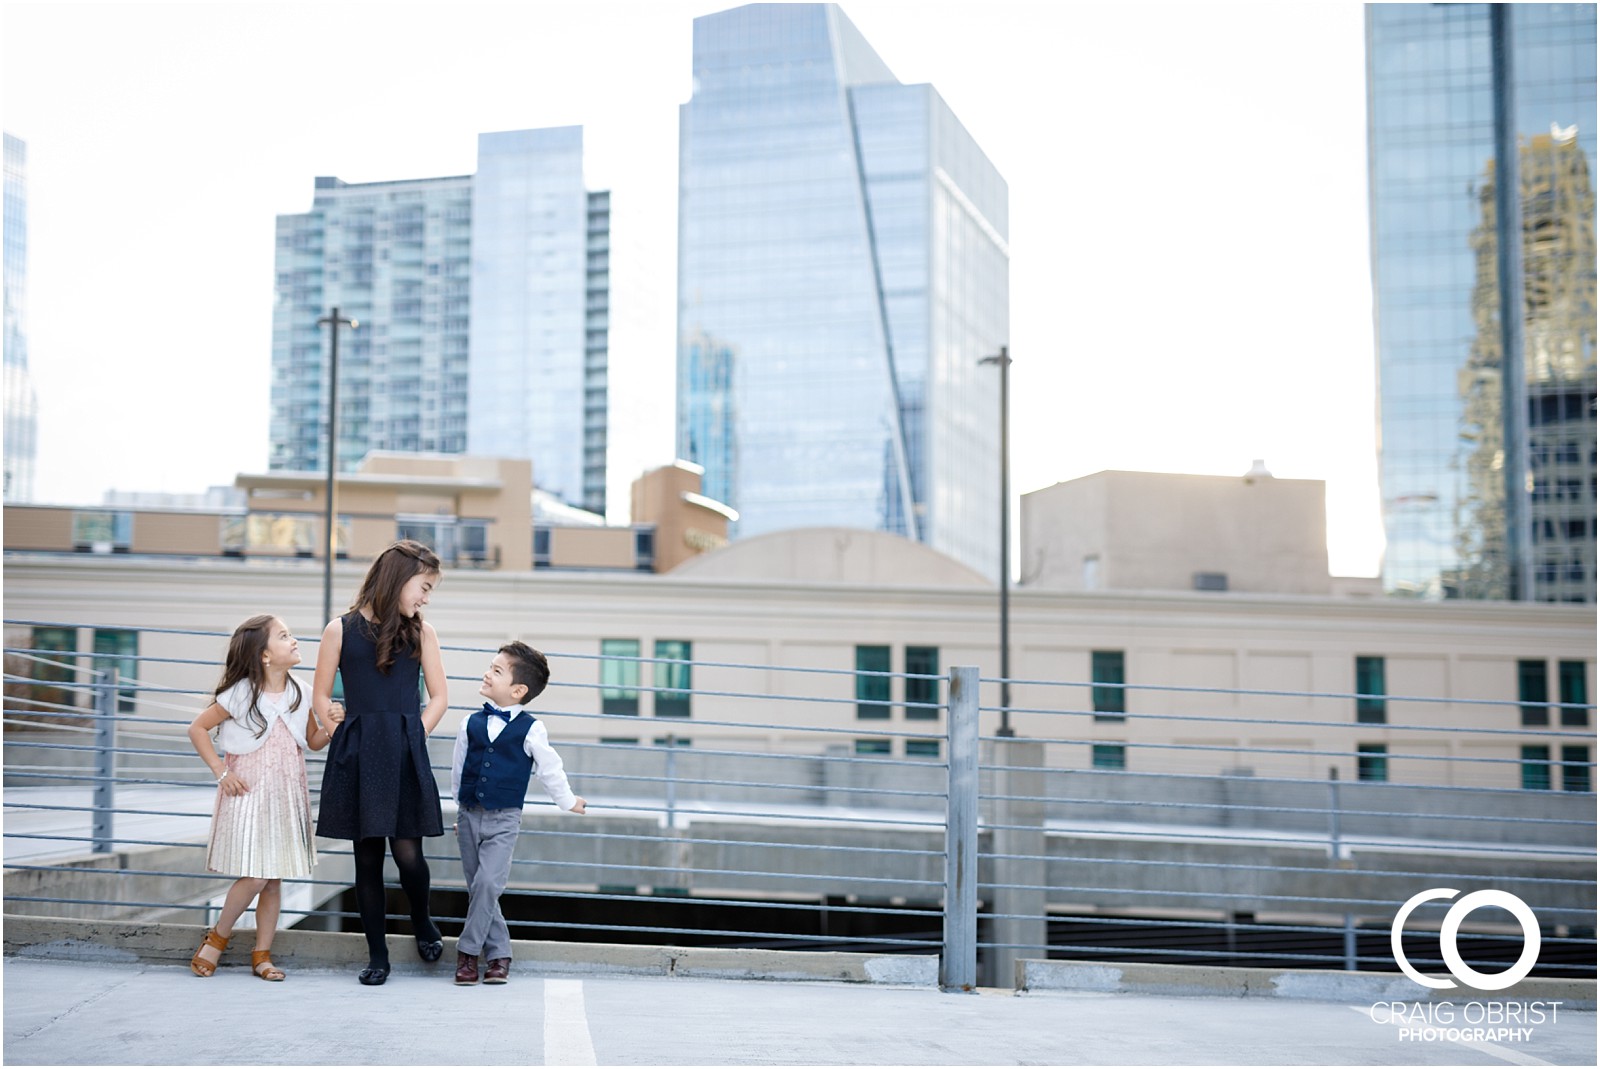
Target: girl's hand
[(335, 715), (230, 784), (580, 806)]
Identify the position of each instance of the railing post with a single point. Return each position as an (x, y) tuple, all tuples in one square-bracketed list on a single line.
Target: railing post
[(958, 966), (105, 759), (1333, 813), (672, 781)]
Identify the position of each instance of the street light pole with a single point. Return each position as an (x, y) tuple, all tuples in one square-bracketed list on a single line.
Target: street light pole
[(335, 320), (1004, 360)]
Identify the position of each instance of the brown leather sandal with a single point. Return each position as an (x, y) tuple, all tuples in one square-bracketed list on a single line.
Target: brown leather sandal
[(261, 965), (200, 966)]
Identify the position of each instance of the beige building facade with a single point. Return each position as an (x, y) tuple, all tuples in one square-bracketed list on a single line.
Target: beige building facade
[(1204, 682), (1141, 530), (476, 512)]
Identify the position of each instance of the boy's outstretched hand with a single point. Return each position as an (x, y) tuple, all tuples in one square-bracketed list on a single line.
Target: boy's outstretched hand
[(580, 806)]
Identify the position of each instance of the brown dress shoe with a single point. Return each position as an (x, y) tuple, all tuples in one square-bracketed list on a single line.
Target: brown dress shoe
[(466, 969), (499, 971)]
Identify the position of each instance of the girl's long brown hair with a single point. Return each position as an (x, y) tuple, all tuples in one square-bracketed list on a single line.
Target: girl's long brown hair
[(244, 663), (380, 591)]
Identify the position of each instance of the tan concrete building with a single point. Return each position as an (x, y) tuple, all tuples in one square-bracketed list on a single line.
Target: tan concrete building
[(476, 512), (1138, 530), (1177, 681)]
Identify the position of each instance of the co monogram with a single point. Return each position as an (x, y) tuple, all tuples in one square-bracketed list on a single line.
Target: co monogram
[(1452, 925)]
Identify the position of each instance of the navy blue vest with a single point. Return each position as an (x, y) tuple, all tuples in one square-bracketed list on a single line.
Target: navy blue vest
[(495, 774)]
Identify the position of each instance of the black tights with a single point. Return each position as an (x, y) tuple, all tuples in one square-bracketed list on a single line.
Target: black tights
[(370, 897)]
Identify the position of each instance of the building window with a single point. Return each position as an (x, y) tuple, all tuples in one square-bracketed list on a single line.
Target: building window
[(1536, 768), (438, 535), (1574, 692), (872, 746), (281, 533), (1533, 692), (1211, 580), (619, 678), (1575, 768), (1372, 762), (672, 680), (472, 541), (1112, 757), (1371, 705), (102, 532), (922, 695), (922, 748), (644, 549), (872, 691), (541, 547), (45, 670), (671, 740), (1110, 702), (618, 740), (119, 650)]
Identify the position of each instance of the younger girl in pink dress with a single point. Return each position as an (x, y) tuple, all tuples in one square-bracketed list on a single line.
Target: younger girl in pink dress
[(261, 824)]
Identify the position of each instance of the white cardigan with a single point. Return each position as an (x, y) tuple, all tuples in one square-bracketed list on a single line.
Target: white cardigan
[(235, 734)]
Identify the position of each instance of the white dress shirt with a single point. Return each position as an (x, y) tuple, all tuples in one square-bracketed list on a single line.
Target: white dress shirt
[(547, 767)]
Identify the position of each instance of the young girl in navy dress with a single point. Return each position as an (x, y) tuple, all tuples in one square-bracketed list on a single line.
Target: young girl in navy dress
[(261, 823), (378, 783)]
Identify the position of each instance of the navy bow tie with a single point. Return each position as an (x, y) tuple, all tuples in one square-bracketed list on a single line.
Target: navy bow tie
[(501, 713)]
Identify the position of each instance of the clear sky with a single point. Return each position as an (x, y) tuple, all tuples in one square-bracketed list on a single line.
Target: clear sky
[(1190, 285)]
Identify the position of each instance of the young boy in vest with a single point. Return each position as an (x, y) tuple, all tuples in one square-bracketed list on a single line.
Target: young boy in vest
[(497, 749)]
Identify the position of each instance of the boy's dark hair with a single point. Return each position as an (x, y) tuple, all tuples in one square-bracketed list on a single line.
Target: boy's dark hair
[(528, 667)]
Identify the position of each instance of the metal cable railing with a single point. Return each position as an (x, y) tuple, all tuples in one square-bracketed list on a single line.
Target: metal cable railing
[(1327, 873), (788, 820)]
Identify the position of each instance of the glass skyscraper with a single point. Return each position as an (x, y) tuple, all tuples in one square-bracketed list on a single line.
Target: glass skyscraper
[(843, 267), (1481, 133), (483, 305), (21, 433)]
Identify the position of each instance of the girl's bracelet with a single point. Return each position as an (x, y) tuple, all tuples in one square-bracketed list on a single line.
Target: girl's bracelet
[(224, 775)]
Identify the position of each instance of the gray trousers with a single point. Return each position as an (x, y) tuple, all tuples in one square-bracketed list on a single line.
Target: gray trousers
[(488, 838)]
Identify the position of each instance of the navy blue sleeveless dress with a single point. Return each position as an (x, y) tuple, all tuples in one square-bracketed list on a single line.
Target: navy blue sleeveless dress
[(378, 781)]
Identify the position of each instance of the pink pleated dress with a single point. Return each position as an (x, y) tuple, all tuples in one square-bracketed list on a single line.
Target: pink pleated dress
[(264, 833)]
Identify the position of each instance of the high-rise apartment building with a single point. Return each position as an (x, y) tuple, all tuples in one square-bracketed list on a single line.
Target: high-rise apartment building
[(1481, 134), (22, 424), (482, 304), (842, 268)]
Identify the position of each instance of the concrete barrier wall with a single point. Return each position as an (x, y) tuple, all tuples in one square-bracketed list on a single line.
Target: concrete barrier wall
[(872, 863), (1365, 809), (754, 783)]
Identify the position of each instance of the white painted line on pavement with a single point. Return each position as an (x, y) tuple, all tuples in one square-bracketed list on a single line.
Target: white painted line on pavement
[(1515, 1057), (566, 1025)]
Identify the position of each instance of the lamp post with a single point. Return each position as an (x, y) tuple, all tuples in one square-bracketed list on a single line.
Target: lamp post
[(335, 320), (1004, 360)]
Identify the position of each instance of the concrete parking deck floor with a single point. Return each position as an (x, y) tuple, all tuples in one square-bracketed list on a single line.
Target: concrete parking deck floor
[(88, 1013)]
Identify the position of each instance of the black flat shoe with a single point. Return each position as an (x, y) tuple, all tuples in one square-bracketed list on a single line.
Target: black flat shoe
[(430, 951), (373, 975)]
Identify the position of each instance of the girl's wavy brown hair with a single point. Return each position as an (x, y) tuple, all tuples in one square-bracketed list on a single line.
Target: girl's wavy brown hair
[(244, 663), (380, 591)]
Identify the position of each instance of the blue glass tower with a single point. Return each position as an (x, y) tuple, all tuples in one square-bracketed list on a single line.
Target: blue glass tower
[(536, 382), (483, 303), (1481, 133), (843, 267)]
